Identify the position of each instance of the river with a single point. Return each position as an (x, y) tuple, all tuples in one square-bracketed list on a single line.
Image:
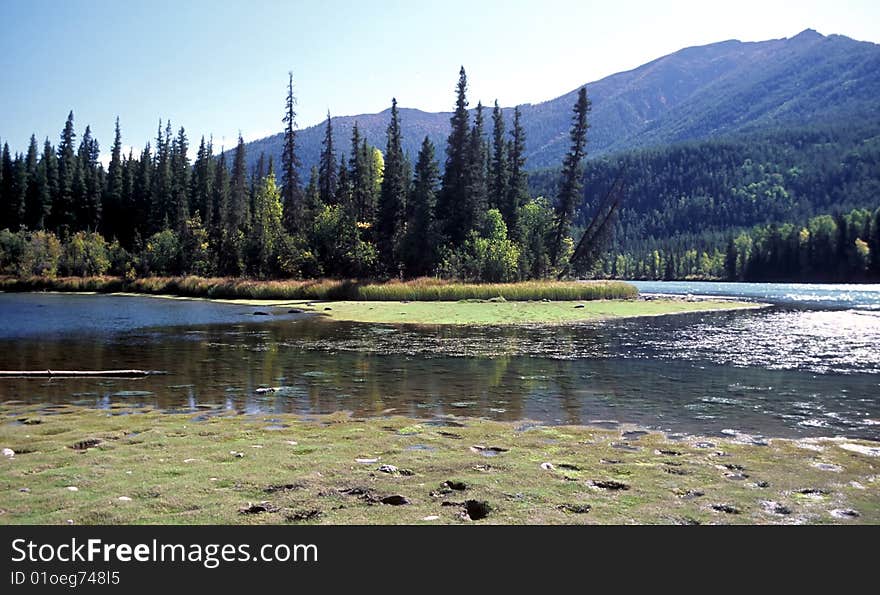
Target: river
[(807, 365)]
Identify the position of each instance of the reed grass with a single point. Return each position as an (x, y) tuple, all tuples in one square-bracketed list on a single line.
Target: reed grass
[(417, 290)]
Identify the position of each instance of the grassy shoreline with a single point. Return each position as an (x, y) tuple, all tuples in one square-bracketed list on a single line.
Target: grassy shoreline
[(424, 289), (140, 466)]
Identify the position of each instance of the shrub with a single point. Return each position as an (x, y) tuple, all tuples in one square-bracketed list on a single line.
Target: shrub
[(85, 255)]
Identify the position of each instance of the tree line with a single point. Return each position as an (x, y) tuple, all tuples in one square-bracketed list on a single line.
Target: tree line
[(363, 213)]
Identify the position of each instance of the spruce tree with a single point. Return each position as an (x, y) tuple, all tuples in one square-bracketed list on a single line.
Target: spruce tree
[(219, 199), (179, 208), (361, 181), (518, 183), (291, 187), (238, 214), (476, 205), (500, 173), (201, 184), (452, 211), (420, 243), (312, 194), (328, 178), (37, 188), (143, 195), (115, 218), (161, 180), (62, 215), (572, 172), (9, 218), (392, 198), (87, 186)]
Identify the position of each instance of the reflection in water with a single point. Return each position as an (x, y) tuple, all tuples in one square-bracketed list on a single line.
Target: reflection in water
[(671, 373)]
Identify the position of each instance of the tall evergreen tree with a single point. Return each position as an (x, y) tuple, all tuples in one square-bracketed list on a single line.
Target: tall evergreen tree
[(160, 207), (62, 215), (291, 187), (477, 180), (328, 178), (312, 196), (142, 195), (392, 198), (238, 215), (219, 199), (500, 173), (361, 181), (571, 176), (201, 184), (518, 184), (114, 212), (36, 196), (344, 190), (87, 183), (453, 212), (9, 217), (420, 243), (179, 211)]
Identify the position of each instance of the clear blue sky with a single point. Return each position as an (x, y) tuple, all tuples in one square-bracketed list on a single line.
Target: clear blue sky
[(221, 67)]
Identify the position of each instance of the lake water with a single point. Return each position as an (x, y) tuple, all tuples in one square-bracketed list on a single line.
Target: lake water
[(809, 365)]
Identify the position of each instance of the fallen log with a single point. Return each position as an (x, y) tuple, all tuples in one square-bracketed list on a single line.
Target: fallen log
[(78, 373)]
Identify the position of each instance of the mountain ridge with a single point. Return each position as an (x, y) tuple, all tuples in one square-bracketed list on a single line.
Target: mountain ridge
[(694, 93)]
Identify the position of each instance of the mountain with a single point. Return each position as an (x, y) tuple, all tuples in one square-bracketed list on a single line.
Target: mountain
[(696, 93)]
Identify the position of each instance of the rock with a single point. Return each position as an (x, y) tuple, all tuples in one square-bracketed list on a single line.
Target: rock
[(236, 454), (725, 508), (327, 309), (390, 469), (295, 311), (286, 487), (458, 486), (72, 489), (8, 452), (771, 507), (258, 508), (303, 515), (575, 508), (668, 453), (406, 472), (433, 517), (489, 451), (189, 460), (762, 484), (69, 521), (366, 461), (85, 444), (124, 499), (828, 467), (845, 513), (395, 500), (547, 466), (568, 467), (24, 490), (688, 494), (579, 306), (260, 313), (476, 509), (608, 484)]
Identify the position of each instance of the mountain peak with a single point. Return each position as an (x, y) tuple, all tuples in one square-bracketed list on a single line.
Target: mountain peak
[(808, 35)]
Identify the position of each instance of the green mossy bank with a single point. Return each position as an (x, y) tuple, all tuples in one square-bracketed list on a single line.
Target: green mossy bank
[(74, 465)]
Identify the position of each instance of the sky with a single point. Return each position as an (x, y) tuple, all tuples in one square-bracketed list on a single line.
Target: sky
[(220, 67)]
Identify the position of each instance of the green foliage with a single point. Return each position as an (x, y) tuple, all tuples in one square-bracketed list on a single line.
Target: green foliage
[(85, 254), (161, 255), (337, 246)]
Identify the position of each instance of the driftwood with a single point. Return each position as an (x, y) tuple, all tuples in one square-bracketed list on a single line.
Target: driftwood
[(78, 373)]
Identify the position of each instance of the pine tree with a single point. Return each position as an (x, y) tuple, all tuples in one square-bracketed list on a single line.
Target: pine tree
[(392, 198), (201, 184), (179, 208), (477, 181), (114, 219), (420, 243), (328, 178), (87, 184), (160, 212), (37, 188), (49, 164), (312, 194), (291, 188), (518, 184), (143, 195), (500, 174), (572, 172), (238, 215), (62, 215), (453, 215), (219, 199)]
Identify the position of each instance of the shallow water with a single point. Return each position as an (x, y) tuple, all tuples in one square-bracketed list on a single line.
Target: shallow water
[(794, 369)]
